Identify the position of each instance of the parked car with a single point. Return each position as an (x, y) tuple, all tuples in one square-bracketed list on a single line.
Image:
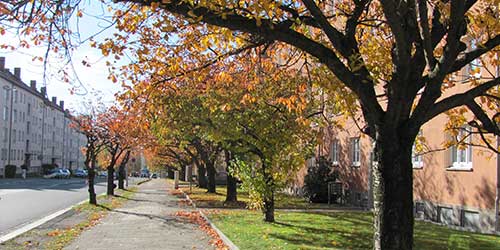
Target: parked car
[(57, 173), (154, 176), (102, 174), (82, 173), (51, 174), (66, 173)]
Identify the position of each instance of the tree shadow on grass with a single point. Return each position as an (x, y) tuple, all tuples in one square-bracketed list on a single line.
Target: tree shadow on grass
[(322, 235)]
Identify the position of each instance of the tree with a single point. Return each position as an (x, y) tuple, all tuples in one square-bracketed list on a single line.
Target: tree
[(87, 124), (395, 57), (256, 114)]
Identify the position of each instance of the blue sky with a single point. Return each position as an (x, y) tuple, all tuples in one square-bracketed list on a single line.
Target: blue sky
[(93, 79)]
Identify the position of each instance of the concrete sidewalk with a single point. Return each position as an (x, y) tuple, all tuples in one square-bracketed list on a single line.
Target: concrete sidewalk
[(146, 221)]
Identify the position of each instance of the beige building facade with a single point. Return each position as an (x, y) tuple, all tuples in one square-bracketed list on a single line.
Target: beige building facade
[(34, 130)]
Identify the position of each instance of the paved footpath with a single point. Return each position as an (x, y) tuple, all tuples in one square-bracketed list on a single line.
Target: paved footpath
[(145, 221)]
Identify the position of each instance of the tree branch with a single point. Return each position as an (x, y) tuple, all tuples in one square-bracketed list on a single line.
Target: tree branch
[(455, 101)]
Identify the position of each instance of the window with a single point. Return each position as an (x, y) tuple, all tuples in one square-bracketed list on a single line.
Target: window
[(14, 139), (29, 108), (15, 115), (5, 134), (416, 157), (355, 152), (419, 210), (470, 219), (475, 65), (461, 154), (6, 93), (335, 152), (445, 215), (4, 154), (5, 113), (28, 128)]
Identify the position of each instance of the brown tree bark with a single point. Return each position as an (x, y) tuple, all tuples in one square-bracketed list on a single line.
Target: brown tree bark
[(121, 170), (202, 179), (91, 189), (111, 181), (231, 192), (268, 208), (393, 195), (211, 186)]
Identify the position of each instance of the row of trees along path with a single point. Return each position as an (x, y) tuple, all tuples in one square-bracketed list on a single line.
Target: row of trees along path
[(395, 58)]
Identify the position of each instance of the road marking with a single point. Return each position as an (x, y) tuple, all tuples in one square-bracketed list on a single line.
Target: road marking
[(39, 222)]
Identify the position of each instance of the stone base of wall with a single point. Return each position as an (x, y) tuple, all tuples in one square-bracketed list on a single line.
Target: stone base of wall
[(456, 216)]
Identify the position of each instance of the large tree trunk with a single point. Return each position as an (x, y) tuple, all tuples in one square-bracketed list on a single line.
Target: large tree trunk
[(231, 192), (91, 176), (211, 177), (111, 181), (202, 179), (393, 192), (121, 176), (121, 171), (268, 208)]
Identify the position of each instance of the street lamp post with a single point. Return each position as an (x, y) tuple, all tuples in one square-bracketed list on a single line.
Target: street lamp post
[(12, 90)]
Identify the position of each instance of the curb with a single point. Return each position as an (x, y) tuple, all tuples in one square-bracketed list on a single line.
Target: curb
[(222, 236), (40, 222)]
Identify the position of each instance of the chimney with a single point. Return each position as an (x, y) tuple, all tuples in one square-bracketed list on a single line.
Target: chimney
[(17, 73), (2, 63), (54, 100), (61, 104), (43, 91), (33, 84)]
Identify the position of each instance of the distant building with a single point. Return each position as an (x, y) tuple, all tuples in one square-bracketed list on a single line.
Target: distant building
[(33, 129)]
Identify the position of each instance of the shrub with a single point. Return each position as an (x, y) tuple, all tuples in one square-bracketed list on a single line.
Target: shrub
[(316, 180), (47, 167), (10, 171)]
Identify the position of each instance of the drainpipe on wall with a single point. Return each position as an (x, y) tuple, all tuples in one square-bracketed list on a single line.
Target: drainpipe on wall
[(497, 198)]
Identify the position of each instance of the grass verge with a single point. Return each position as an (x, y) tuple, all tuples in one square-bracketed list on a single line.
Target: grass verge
[(58, 233), (336, 230), (217, 200)]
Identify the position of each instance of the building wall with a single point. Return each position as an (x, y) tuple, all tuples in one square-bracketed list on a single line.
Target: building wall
[(40, 130)]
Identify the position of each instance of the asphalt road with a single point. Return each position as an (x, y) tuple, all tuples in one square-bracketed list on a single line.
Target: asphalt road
[(25, 201)]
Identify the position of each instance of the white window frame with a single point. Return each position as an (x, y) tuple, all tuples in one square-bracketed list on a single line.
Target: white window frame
[(335, 153), (5, 113), (355, 151), (417, 159), (461, 159), (476, 63)]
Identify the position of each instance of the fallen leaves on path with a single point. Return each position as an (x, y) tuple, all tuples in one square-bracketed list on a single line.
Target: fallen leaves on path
[(196, 218), (176, 192), (184, 203)]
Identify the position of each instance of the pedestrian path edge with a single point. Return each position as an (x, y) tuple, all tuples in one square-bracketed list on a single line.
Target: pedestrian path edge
[(222, 236)]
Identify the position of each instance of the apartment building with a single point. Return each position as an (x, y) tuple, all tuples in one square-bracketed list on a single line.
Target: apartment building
[(455, 186), (33, 129)]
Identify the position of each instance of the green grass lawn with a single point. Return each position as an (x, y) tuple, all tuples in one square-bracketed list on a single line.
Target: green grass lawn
[(207, 200), (336, 230)]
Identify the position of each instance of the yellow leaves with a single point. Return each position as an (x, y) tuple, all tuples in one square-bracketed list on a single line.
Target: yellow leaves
[(258, 21), (112, 77), (154, 5), (226, 107), (248, 99)]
